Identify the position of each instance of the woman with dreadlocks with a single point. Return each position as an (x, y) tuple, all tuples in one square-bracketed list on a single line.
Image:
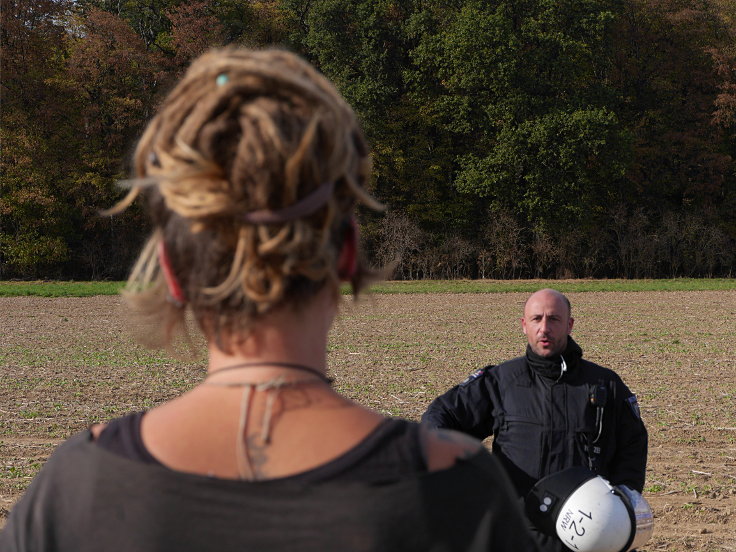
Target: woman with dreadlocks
[(251, 171)]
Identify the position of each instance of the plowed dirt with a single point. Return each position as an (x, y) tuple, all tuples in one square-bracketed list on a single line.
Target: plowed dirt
[(66, 363)]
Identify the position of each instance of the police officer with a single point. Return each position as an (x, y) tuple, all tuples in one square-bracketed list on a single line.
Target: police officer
[(550, 409)]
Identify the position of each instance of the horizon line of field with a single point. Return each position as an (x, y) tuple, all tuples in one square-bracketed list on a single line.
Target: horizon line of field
[(85, 289)]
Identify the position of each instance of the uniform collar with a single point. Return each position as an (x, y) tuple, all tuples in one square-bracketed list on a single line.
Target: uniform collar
[(552, 367)]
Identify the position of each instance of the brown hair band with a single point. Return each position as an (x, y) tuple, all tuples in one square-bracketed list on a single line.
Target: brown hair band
[(305, 206)]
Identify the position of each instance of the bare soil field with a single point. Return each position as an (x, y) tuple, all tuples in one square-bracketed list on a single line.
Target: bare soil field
[(66, 363)]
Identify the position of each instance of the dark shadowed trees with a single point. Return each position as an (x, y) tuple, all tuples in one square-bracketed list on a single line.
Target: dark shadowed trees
[(36, 102), (511, 139)]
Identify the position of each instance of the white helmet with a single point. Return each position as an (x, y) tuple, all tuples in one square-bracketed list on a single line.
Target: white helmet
[(588, 514)]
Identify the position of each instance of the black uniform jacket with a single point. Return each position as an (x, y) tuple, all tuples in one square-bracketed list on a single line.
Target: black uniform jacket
[(544, 420)]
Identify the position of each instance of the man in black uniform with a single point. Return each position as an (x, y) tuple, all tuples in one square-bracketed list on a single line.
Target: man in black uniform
[(550, 409)]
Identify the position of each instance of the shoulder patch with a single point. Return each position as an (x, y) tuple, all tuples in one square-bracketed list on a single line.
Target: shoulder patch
[(634, 404), (474, 376)]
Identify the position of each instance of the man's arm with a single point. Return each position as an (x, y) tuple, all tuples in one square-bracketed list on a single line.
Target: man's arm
[(467, 407), (628, 466)]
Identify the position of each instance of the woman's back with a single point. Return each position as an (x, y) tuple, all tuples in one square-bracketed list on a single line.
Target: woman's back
[(379, 496)]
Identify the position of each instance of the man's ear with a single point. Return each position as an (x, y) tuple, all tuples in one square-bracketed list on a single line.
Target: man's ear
[(347, 263), (570, 324)]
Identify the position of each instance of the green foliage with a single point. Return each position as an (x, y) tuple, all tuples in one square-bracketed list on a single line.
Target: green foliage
[(570, 286), (35, 99), (521, 87), (359, 45), (59, 289), (87, 289), (555, 169), (530, 137), (27, 250), (146, 18)]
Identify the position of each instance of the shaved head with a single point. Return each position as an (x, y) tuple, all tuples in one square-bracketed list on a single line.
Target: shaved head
[(554, 293), (547, 322)]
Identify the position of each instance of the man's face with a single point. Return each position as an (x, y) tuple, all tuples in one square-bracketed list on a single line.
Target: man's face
[(547, 323)]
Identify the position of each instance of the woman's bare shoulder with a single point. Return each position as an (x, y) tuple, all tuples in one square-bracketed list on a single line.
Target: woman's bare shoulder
[(444, 447), (96, 429)]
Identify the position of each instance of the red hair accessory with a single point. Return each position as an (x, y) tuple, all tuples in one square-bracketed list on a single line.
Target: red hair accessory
[(176, 295), (347, 263)]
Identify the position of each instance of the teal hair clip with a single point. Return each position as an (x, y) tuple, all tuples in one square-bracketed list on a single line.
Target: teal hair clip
[(222, 79)]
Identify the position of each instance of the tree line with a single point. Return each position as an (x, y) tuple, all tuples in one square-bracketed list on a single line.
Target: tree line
[(519, 138)]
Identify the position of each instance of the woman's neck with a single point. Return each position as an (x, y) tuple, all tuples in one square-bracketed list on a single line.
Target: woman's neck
[(287, 336)]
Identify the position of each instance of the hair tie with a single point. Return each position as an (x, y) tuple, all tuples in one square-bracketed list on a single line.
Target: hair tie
[(303, 207), (222, 79)]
